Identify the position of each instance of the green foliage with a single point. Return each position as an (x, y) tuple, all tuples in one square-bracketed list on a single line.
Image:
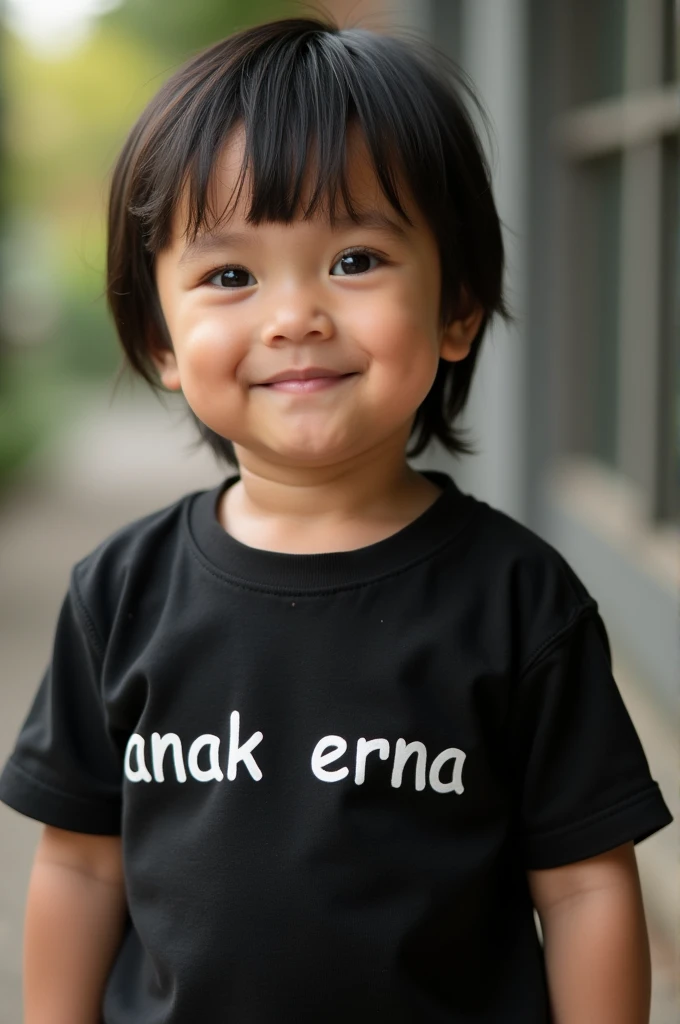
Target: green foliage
[(19, 433), (85, 338), (65, 119), (31, 400), (177, 29)]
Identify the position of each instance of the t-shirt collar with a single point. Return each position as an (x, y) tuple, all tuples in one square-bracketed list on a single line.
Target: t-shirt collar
[(276, 571)]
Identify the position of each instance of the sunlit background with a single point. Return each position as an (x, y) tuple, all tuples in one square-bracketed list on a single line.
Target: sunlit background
[(576, 409), (76, 74)]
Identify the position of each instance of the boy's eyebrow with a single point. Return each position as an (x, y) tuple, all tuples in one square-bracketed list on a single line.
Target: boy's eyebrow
[(208, 242), (371, 219), (215, 241)]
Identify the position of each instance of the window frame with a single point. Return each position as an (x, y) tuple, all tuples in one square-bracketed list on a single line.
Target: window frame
[(618, 526)]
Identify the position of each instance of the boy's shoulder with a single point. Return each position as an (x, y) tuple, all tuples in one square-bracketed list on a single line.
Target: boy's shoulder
[(523, 582), (508, 546), (140, 557)]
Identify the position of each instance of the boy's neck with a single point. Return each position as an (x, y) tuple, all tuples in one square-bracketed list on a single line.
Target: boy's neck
[(335, 509)]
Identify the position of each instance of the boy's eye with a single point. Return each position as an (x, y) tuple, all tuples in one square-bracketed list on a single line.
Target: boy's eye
[(233, 277), (354, 263)]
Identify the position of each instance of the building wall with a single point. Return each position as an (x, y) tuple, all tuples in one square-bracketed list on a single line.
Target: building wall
[(576, 406)]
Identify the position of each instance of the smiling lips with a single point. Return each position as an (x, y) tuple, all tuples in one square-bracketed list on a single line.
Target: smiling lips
[(312, 378)]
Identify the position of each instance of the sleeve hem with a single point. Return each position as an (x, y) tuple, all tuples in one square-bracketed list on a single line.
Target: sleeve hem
[(41, 801), (632, 819)]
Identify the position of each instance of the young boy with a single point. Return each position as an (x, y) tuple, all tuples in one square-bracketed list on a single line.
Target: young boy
[(314, 745)]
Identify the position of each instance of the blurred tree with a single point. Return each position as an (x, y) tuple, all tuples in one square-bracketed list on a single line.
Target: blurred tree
[(178, 29), (64, 126), (64, 119), (3, 176)]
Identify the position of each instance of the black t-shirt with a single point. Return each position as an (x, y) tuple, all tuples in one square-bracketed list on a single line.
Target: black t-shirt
[(331, 772)]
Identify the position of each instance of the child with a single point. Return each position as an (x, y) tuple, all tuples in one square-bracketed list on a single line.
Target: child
[(314, 745)]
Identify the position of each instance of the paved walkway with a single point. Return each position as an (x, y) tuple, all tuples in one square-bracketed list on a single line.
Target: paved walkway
[(117, 463)]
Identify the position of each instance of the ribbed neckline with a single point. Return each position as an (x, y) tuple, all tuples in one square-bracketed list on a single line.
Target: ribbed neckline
[(279, 572)]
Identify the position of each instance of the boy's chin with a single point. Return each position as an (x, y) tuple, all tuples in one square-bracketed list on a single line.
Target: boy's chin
[(296, 456)]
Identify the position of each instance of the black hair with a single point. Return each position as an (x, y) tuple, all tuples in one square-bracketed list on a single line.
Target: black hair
[(296, 86)]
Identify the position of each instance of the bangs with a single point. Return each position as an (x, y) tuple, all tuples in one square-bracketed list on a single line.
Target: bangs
[(295, 97)]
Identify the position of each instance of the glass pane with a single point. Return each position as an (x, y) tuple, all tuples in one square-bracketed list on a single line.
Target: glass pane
[(592, 306), (597, 38), (671, 39), (605, 183), (667, 484), (446, 20), (670, 497)]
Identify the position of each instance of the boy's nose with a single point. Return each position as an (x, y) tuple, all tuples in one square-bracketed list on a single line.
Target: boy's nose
[(294, 322)]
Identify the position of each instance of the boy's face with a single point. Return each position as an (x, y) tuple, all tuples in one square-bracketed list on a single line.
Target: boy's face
[(352, 308)]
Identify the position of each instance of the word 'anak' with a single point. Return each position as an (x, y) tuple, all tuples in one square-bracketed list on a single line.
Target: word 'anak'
[(206, 749)]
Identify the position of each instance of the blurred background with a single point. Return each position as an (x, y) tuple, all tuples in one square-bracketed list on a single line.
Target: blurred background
[(576, 407)]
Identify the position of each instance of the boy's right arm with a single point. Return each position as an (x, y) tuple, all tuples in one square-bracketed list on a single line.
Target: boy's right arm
[(74, 924)]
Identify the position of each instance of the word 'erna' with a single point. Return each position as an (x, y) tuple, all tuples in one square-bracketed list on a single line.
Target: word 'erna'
[(203, 761)]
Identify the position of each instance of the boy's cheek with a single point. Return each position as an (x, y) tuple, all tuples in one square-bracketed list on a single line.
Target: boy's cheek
[(209, 350), (401, 317), (405, 340)]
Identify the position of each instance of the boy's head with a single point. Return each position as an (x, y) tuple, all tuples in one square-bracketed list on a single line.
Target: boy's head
[(297, 197)]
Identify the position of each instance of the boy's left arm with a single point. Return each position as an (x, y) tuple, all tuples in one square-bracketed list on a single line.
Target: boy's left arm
[(595, 939)]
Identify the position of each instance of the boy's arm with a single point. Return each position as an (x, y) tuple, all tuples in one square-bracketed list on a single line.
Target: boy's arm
[(595, 938), (74, 923)]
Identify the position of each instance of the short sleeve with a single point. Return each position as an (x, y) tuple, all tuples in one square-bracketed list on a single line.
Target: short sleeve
[(65, 769), (586, 786)]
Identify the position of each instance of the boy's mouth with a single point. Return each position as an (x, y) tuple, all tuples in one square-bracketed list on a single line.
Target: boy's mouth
[(306, 373), (311, 378)]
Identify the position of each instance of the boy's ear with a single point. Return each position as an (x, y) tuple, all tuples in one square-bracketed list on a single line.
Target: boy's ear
[(163, 358), (168, 371), (458, 335)]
